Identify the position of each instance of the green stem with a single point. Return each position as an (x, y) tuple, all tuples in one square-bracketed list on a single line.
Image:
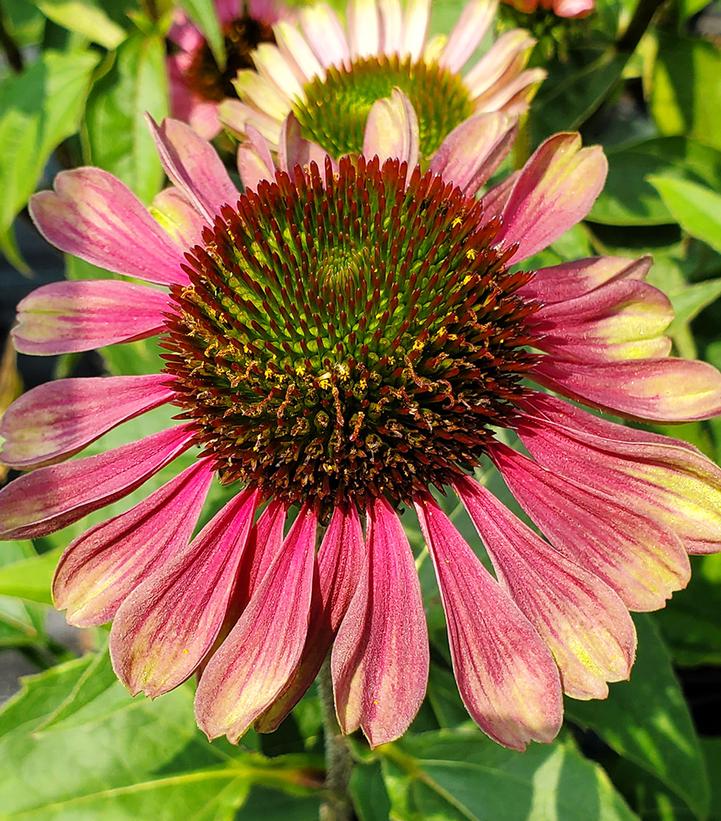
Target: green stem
[(642, 16), (339, 763)]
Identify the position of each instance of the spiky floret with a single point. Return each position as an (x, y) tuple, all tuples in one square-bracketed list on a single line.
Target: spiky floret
[(242, 35), (335, 108), (348, 334)]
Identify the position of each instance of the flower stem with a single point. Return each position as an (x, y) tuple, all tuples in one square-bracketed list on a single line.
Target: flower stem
[(642, 16), (339, 763)]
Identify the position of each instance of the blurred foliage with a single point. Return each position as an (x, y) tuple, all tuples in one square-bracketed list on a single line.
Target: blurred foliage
[(76, 81)]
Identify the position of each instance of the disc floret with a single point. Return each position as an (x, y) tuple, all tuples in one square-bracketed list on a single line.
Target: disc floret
[(348, 335)]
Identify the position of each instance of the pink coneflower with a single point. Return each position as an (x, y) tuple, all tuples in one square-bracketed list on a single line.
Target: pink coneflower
[(197, 84), (329, 75), (339, 342)]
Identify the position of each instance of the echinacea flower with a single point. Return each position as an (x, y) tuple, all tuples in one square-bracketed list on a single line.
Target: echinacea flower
[(328, 76), (197, 84), (561, 8), (339, 341)]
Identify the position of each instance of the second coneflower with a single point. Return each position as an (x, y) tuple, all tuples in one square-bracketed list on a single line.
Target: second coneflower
[(340, 342)]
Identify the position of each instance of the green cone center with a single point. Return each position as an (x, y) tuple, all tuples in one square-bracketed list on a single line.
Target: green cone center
[(335, 109)]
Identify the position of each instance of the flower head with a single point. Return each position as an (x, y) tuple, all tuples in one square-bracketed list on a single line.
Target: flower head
[(339, 340), (197, 84), (328, 76)]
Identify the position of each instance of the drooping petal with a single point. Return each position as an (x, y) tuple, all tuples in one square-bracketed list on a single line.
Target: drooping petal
[(506, 58), (656, 390), (166, 626), (52, 497), (583, 622), (392, 130), (193, 165), (640, 559), (100, 569), (172, 209), (297, 52), (255, 162), (512, 94), (473, 150), (468, 32), (272, 65), (555, 189), (294, 149), (324, 33), (620, 321), (380, 655), (571, 280), (57, 419), (263, 94), (94, 216), (415, 26), (237, 116), (68, 317), (253, 664), (664, 479), (506, 675), (340, 561), (363, 21)]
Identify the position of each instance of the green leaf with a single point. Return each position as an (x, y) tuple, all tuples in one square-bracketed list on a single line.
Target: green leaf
[(647, 721), (696, 208), (203, 14), (686, 93), (20, 623), (628, 198), (688, 302), (689, 623), (40, 108), (116, 135), (82, 748), (712, 753), (456, 776), (30, 578), (370, 799), (84, 17)]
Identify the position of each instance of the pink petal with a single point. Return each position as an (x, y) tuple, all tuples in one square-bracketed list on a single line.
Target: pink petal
[(663, 479), (415, 26), (380, 655), (573, 8), (513, 93), (172, 209), (574, 279), (583, 622), (298, 54), (505, 674), (254, 663), (364, 27), (555, 190), (324, 34), (49, 498), (620, 321), (495, 199), (391, 14), (192, 164), (166, 626), (468, 32), (392, 130), (94, 216), (184, 33), (255, 162), (340, 561), (657, 390), (100, 569), (66, 317), (57, 419), (237, 116), (473, 150), (294, 149), (638, 558), (506, 58)]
